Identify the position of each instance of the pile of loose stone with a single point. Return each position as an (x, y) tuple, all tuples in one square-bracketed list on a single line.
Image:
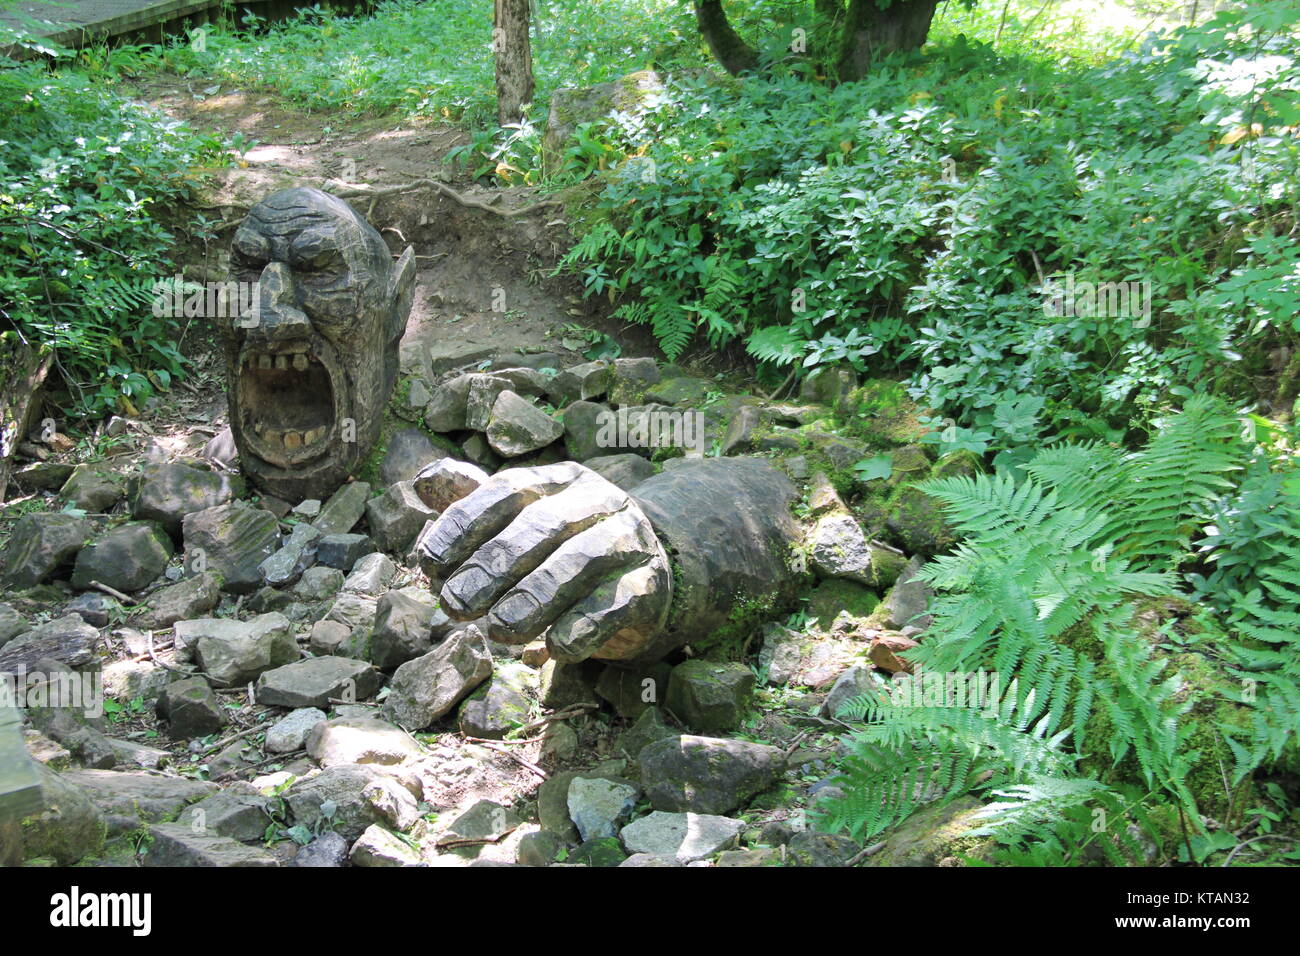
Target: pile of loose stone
[(290, 650)]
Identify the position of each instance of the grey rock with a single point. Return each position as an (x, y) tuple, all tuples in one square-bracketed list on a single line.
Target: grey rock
[(378, 847), (177, 844), (327, 636), (188, 598), (627, 470), (396, 516), (191, 709), (68, 640), (314, 681), (647, 729), (126, 558), (241, 815), (232, 540), (679, 390), (812, 848), (403, 627), (857, 680), (328, 849), (308, 508), (710, 696), (409, 450), (598, 807), (41, 544), (289, 733), (318, 584), (128, 799), (353, 609), (94, 608), (518, 427), (446, 409), (166, 493), (781, 654), (634, 689), (707, 774), (92, 488), (484, 820), (343, 551), (631, 378), (501, 705), (360, 740), (580, 383), (350, 797), (840, 549), (344, 509), (234, 652), (296, 555), (428, 687), (371, 574), (909, 599), (445, 481), (538, 848), (43, 475), (684, 837), (560, 684), (11, 624), (68, 827)]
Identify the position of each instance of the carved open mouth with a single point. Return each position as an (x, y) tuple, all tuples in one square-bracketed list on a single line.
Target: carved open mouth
[(288, 402)]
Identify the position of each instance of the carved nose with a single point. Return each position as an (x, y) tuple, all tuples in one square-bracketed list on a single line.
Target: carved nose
[(276, 317)]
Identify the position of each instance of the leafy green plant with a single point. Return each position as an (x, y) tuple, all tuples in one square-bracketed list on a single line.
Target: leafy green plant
[(1042, 591), (86, 175)]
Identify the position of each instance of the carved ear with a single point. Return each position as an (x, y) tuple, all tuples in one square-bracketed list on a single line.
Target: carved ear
[(401, 288)]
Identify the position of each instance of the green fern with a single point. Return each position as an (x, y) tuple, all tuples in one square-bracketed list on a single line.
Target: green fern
[(1041, 590)]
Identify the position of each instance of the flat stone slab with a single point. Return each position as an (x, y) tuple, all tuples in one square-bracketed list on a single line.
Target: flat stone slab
[(682, 836), (314, 681), (129, 799), (178, 844)]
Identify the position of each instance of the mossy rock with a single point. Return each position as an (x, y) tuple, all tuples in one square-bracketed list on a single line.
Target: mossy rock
[(832, 596), (882, 413), (1208, 690), (916, 523), (935, 834)]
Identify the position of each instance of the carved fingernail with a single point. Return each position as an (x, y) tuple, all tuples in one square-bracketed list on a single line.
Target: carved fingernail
[(514, 610)]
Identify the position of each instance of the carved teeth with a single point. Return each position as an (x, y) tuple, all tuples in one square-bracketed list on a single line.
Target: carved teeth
[(300, 362), (264, 361), (282, 362), (274, 436), (292, 440), (312, 436)]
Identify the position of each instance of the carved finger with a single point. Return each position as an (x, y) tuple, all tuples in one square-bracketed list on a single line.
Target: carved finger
[(617, 620), (572, 572), (470, 522), (526, 542)]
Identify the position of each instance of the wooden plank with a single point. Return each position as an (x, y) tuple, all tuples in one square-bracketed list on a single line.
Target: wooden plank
[(20, 788)]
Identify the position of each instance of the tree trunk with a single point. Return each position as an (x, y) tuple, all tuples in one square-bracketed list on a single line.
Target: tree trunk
[(731, 51), (514, 59), (871, 33)]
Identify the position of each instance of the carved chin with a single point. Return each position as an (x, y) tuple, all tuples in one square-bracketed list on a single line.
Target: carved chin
[(291, 401)]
